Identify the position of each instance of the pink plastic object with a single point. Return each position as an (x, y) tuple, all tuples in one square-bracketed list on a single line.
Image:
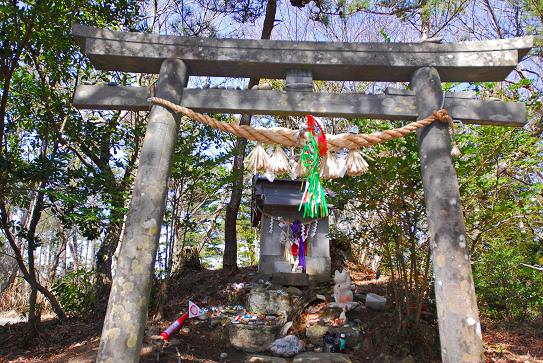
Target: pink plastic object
[(175, 326)]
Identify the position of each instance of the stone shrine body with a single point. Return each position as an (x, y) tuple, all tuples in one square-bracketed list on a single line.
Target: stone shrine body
[(278, 201)]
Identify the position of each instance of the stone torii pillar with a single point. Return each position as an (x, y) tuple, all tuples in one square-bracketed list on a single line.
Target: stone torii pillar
[(129, 298), (457, 313)]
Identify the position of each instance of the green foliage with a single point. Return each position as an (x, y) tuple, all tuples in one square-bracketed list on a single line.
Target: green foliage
[(75, 292), (39, 157), (505, 287), (382, 213)]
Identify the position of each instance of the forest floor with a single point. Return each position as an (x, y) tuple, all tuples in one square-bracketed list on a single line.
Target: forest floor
[(77, 339)]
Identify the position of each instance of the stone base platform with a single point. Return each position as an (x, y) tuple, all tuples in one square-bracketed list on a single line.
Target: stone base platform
[(297, 279)]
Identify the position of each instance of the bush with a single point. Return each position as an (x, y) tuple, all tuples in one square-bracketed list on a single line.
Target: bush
[(505, 288), (75, 292)]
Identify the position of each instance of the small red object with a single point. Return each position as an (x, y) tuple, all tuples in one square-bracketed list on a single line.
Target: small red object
[(294, 249), (321, 139), (323, 146), (311, 124), (175, 326)]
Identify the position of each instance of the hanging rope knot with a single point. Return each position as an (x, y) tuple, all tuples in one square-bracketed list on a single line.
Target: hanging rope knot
[(442, 116)]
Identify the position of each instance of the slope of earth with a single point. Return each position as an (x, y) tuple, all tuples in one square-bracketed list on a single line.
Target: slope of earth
[(76, 340)]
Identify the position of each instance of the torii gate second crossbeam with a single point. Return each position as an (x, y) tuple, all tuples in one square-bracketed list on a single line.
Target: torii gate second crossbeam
[(425, 65)]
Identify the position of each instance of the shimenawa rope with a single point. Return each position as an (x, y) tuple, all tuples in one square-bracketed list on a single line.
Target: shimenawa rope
[(288, 137)]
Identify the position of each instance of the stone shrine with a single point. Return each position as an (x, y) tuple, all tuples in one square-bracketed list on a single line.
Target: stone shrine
[(274, 209)]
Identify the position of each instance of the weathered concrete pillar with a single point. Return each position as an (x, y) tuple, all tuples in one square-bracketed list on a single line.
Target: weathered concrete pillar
[(127, 308), (458, 316)]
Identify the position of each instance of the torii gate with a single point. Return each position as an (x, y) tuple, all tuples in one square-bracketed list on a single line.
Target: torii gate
[(425, 65)]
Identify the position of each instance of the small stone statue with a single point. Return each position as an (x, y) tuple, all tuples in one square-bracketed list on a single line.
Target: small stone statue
[(342, 289)]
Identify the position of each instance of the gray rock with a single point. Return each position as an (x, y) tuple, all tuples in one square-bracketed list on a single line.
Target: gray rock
[(264, 359), (294, 291), (315, 333), (261, 301), (375, 302), (313, 357), (288, 346), (252, 338)]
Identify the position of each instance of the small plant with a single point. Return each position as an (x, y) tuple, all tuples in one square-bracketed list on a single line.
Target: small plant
[(75, 292)]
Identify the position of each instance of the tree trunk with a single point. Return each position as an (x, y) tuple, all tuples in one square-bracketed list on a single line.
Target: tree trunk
[(230, 256), (55, 305), (74, 250), (28, 273), (33, 319), (104, 258)]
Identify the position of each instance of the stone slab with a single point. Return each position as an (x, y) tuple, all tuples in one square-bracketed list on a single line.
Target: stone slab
[(395, 62), (290, 279), (397, 106), (266, 263), (314, 357)]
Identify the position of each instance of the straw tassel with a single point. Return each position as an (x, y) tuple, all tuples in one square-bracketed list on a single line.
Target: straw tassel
[(293, 169), (455, 151), (279, 162), (258, 159), (355, 163), (301, 170), (329, 167)]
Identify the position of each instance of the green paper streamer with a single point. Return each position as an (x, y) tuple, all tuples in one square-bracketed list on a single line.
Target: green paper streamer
[(314, 197)]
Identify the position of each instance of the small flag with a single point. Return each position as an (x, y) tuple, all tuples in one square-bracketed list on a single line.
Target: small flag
[(194, 310)]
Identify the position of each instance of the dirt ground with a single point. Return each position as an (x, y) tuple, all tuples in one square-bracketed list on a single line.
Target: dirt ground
[(77, 339)]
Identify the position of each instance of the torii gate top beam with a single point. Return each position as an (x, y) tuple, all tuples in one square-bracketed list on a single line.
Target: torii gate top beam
[(476, 61)]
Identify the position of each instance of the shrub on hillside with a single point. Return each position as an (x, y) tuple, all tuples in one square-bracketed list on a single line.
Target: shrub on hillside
[(75, 292), (505, 287)]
